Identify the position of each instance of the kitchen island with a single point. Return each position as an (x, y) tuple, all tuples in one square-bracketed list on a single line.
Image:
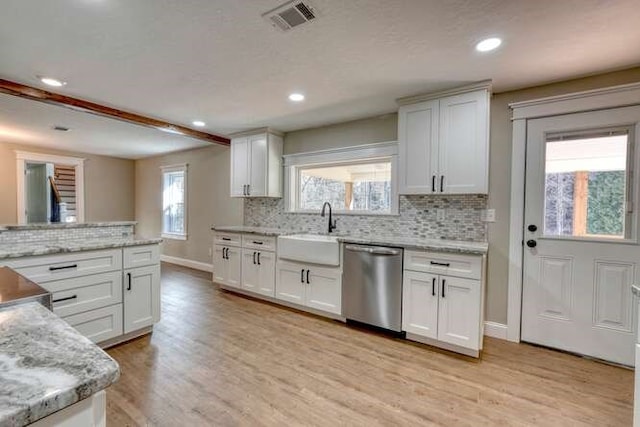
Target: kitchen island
[(47, 368)]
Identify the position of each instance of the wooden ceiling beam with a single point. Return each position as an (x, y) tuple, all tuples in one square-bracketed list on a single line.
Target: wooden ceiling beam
[(35, 94)]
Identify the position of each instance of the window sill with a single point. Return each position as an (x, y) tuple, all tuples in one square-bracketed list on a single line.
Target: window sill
[(173, 236)]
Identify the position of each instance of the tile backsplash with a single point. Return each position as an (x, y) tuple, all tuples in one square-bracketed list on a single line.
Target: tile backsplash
[(65, 233), (417, 218)]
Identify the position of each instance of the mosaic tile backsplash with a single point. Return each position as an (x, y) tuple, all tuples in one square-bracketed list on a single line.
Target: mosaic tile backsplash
[(417, 218), (8, 237)]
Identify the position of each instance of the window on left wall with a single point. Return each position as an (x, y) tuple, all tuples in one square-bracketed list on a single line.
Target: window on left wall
[(174, 202)]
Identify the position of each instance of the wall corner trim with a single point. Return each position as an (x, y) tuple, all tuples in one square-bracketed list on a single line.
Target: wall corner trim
[(196, 265), (495, 330)]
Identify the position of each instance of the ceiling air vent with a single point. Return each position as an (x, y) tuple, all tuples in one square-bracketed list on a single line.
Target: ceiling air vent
[(291, 14)]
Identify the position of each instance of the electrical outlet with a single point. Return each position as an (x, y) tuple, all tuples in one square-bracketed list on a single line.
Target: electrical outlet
[(488, 215), (440, 214)]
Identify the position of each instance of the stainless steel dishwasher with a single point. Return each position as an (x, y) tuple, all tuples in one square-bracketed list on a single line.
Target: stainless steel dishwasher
[(372, 285)]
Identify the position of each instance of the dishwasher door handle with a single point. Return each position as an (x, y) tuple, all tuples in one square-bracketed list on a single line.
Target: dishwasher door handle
[(373, 251)]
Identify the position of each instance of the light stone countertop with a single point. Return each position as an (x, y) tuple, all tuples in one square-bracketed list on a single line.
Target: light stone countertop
[(263, 231), (57, 225), (418, 243), (65, 246), (46, 365)]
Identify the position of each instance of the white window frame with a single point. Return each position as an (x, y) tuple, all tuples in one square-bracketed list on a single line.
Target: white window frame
[(183, 167), (335, 157), (24, 157)]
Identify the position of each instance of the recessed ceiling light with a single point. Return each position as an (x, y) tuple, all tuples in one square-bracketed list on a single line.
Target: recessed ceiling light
[(296, 97), (198, 123), (488, 44), (52, 82)]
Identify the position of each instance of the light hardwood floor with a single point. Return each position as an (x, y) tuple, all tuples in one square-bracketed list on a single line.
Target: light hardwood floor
[(220, 359)]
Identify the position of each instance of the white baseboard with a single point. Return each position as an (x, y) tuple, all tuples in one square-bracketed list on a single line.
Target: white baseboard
[(495, 330), (203, 266)]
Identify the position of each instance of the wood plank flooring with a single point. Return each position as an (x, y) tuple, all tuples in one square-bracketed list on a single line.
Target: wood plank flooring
[(224, 360)]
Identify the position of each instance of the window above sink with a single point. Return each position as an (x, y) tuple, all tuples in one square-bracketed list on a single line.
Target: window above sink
[(355, 180)]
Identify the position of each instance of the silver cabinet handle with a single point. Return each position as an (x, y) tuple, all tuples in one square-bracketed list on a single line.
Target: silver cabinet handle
[(373, 250)]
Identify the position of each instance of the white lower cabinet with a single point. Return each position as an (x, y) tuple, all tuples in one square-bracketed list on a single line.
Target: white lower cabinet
[(227, 265), (259, 272), (307, 285), (141, 297), (442, 309), (98, 325), (91, 291)]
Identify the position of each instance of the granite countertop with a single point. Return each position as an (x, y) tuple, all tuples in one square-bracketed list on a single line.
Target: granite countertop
[(56, 225), (63, 246), (46, 365), (438, 245), (264, 231)]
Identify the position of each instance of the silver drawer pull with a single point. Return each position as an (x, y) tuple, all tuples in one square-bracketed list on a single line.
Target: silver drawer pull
[(374, 251), (63, 267), (65, 299)]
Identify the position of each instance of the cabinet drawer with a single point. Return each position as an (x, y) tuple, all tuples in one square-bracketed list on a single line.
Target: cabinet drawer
[(98, 325), (465, 266), (44, 269), (141, 256), (227, 239), (255, 241), (86, 293)]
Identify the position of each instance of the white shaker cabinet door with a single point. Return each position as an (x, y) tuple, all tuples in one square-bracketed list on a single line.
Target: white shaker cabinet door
[(250, 271), (219, 264), (290, 284), (418, 147), (234, 267), (459, 312), (141, 297), (267, 273), (420, 293), (258, 158), (239, 166), (324, 289), (464, 143)]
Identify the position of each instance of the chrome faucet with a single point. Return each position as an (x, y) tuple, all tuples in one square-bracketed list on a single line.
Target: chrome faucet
[(332, 223)]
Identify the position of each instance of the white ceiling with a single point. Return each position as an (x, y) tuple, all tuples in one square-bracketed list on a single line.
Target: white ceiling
[(219, 61)]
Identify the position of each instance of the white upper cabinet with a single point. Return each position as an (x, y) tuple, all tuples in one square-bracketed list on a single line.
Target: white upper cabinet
[(256, 165), (418, 129), (444, 143)]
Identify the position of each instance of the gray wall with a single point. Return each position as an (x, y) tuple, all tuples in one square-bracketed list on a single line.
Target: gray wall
[(208, 199), (384, 128)]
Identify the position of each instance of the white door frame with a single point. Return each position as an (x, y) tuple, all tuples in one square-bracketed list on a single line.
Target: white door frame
[(24, 157), (592, 100)]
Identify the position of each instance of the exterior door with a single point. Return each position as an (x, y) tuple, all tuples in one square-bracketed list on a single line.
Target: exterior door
[(581, 250)]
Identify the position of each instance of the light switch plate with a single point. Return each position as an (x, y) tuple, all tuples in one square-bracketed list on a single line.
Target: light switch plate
[(488, 215)]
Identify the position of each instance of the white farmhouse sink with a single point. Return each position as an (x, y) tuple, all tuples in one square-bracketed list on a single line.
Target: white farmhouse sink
[(311, 248)]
